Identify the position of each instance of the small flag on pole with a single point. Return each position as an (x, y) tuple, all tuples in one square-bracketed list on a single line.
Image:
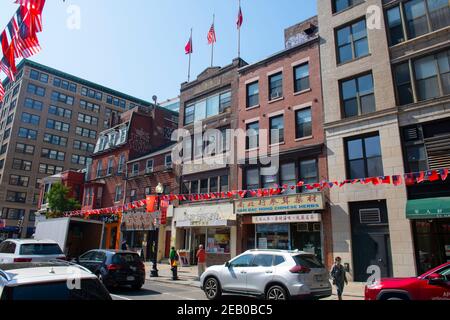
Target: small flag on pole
[(212, 35), (240, 18), (189, 48)]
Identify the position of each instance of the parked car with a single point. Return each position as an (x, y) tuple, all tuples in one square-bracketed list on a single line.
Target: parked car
[(115, 268), (22, 250), (269, 274), (432, 285), (49, 281)]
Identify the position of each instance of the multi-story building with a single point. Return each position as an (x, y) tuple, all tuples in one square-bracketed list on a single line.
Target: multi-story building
[(208, 112), (171, 104), (280, 98), (385, 80), (49, 122), (135, 134), (144, 176)]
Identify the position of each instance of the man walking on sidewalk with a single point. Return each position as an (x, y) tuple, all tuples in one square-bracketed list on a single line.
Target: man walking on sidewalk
[(201, 260)]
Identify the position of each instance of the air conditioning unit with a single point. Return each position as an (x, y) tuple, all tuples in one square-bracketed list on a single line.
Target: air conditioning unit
[(276, 95), (148, 170)]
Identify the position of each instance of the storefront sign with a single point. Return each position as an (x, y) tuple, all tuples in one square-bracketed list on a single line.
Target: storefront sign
[(292, 218), (141, 221), (164, 205), (297, 202), (205, 216), (432, 208)]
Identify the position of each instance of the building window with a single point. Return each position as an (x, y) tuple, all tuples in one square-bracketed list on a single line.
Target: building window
[(99, 169), (252, 179), (276, 86), (168, 160), (352, 41), (252, 135), (19, 197), (303, 123), (301, 81), (109, 169), (135, 169), (13, 214), (61, 112), (189, 115), (77, 159), (339, 5), (50, 169), (252, 94), (288, 177), (27, 134), (20, 181), (24, 148), (224, 185), (118, 195), (225, 101), (33, 89), (87, 119), (204, 186), (23, 165), (357, 96), (213, 185), (403, 84), (61, 97), (33, 104), (57, 125), (308, 173), (149, 166), (420, 17), (30, 118), (364, 157), (276, 129), (89, 106), (121, 163), (53, 154), (133, 195), (206, 108)]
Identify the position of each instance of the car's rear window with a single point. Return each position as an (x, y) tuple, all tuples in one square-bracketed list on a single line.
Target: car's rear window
[(125, 258), (309, 261), (40, 249), (90, 289)]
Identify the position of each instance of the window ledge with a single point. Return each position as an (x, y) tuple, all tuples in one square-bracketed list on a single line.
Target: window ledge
[(277, 144), (304, 138), (353, 60), (276, 100), (252, 149), (303, 91), (253, 107)]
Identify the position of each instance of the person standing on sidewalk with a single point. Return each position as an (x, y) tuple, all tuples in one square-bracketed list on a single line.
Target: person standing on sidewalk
[(201, 260), (173, 257), (338, 274)]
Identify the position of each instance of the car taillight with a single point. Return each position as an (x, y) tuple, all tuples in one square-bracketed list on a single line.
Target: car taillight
[(300, 269), (113, 267), (23, 260)]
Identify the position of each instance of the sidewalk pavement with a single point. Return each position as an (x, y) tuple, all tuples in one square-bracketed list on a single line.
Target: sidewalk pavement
[(188, 277)]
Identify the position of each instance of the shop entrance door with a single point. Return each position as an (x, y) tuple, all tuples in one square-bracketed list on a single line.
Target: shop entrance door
[(370, 239)]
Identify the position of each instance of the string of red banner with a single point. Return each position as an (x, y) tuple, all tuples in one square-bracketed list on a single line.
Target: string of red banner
[(19, 38), (396, 180)]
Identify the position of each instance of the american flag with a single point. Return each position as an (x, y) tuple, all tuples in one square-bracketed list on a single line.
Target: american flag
[(8, 63), (212, 35), (35, 8), (2, 91), (240, 19), (27, 41)]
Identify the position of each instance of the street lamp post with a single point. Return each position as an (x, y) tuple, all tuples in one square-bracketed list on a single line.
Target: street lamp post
[(154, 271)]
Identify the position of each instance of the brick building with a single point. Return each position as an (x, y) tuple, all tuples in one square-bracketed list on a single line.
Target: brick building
[(206, 103), (280, 99), (136, 133)]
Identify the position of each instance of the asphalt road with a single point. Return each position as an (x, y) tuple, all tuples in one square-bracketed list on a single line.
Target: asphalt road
[(153, 290)]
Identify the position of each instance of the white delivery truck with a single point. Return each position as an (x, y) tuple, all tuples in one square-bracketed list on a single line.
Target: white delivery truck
[(74, 236)]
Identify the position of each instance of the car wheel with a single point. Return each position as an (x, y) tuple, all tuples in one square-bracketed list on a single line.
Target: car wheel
[(212, 289), (276, 293)]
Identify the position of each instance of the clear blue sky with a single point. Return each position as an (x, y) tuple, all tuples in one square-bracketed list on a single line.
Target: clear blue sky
[(137, 46)]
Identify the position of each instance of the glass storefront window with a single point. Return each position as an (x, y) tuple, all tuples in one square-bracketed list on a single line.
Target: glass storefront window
[(272, 236), (218, 241)]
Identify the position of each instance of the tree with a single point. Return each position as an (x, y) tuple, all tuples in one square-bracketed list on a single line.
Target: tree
[(59, 201)]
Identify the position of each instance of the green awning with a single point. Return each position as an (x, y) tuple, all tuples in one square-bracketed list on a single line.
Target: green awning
[(430, 208)]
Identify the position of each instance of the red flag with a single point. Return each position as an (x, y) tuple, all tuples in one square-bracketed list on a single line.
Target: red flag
[(8, 63), (189, 47), (432, 175), (442, 172), (240, 18), (420, 177), (35, 8), (212, 35), (2, 91), (396, 180)]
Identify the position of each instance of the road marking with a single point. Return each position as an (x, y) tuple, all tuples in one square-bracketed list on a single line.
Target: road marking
[(120, 297)]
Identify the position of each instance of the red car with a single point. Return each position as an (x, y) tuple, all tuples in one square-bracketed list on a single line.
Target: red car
[(432, 285)]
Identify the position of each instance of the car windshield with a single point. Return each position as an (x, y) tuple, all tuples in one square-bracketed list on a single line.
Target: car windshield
[(125, 258), (40, 249), (309, 261), (89, 289)]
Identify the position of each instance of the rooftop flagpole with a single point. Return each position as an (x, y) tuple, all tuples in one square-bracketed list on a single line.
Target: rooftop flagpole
[(212, 47)]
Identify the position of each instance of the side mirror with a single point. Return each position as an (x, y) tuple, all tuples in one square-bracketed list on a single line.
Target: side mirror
[(227, 264), (436, 279)]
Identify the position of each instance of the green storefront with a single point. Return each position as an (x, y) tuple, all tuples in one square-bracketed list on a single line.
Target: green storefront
[(431, 226)]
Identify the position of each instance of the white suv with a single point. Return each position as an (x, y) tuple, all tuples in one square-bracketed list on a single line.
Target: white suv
[(270, 274), (21, 250), (49, 281)]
